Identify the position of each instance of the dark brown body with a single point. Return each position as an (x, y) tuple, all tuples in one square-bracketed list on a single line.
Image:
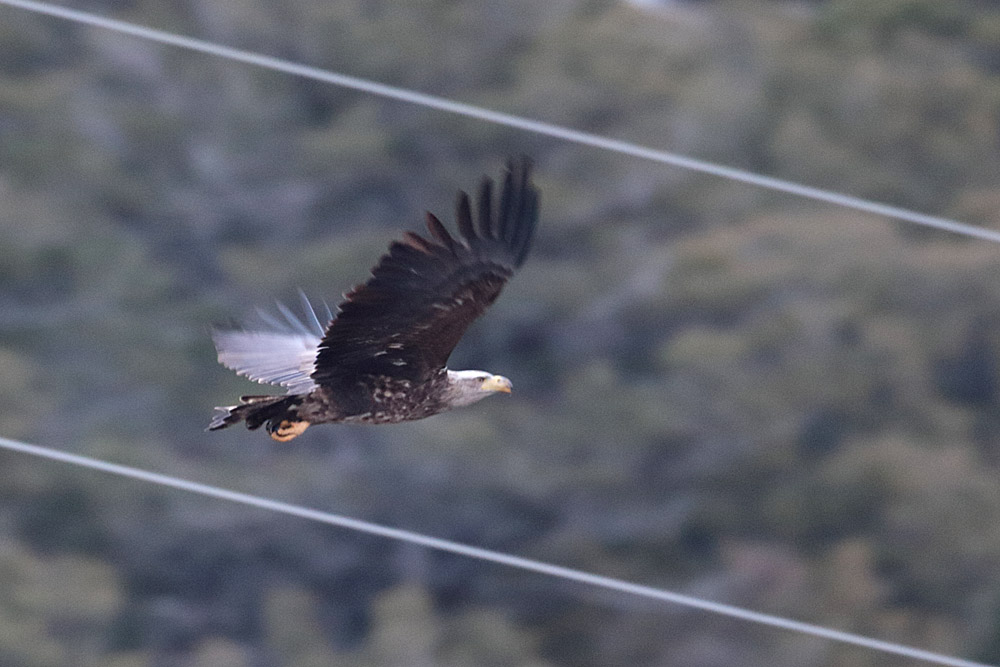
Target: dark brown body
[(382, 400), (391, 401)]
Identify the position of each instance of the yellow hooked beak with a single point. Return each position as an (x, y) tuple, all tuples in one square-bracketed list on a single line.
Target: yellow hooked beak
[(497, 383)]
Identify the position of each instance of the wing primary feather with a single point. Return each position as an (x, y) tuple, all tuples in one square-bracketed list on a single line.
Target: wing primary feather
[(417, 242), (506, 205), (311, 314), (296, 324), (526, 230), (485, 202), (328, 313), (463, 215), (269, 319), (439, 232), (523, 196)]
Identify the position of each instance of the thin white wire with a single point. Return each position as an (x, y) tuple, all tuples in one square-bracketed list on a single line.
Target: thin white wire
[(486, 555), (509, 120)]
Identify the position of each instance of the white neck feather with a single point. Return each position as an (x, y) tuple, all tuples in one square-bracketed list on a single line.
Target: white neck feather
[(465, 387)]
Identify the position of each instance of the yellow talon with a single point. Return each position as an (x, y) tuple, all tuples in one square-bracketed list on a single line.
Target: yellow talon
[(286, 430)]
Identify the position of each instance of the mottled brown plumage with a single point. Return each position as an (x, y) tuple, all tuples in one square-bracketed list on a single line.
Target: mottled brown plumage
[(382, 358)]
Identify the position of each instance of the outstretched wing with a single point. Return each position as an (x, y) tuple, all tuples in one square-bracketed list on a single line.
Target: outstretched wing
[(280, 353), (422, 296)]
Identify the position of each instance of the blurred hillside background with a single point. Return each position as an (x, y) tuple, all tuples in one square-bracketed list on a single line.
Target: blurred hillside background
[(736, 394)]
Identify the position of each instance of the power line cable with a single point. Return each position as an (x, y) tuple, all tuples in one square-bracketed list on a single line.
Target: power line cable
[(509, 120), (497, 557)]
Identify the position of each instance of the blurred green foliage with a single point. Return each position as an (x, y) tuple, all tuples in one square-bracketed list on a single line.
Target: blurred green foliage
[(745, 396)]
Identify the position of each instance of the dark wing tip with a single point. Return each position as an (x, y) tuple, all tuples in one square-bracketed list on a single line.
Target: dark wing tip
[(417, 242), (519, 170), (511, 219), (519, 203), (484, 203), (508, 196), (439, 232), (526, 230), (463, 215)]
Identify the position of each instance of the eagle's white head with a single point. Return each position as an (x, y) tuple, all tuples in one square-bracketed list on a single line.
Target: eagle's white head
[(467, 387)]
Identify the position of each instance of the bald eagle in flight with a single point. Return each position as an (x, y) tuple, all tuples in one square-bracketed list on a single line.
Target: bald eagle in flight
[(382, 358)]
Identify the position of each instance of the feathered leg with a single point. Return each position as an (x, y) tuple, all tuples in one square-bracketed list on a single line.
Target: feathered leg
[(279, 412)]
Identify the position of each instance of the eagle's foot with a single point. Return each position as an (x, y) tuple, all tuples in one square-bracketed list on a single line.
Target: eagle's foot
[(285, 430)]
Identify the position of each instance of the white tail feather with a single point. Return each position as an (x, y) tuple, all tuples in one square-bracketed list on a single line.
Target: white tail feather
[(280, 353)]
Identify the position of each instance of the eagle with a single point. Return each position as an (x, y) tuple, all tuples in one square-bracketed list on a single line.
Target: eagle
[(382, 357)]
